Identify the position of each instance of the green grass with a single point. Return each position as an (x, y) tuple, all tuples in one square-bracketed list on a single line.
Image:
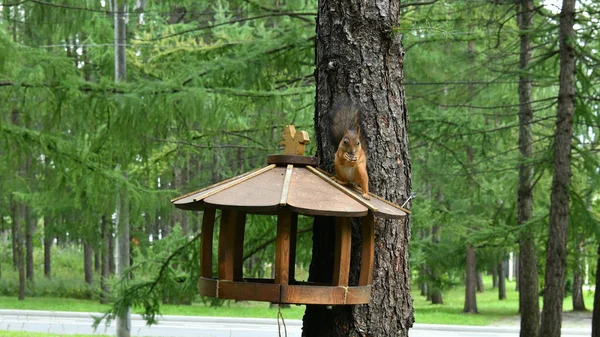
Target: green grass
[(491, 310), (229, 309), (42, 334)]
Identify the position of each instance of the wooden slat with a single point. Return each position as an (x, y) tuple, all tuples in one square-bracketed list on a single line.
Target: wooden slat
[(238, 246), (286, 185), (367, 250), (207, 287), (385, 208), (206, 242), (297, 294), (341, 188), (282, 247), (310, 195), (249, 291), (226, 238), (214, 185), (293, 239), (341, 261), (261, 193), (233, 183)]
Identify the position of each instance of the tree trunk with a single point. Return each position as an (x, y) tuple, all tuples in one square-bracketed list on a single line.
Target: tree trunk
[(578, 303), (494, 273), (13, 230), (120, 34), (87, 263), (30, 221), (501, 281), (358, 55), (596, 313), (556, 250), (471, 282), (122, 258), (436, 291), (21, 217), (105, 232), (480, 287), (527, 284), (47, 248), (97, 259)]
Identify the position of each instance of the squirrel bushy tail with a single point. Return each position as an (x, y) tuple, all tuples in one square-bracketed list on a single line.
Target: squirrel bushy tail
[(345, 116)]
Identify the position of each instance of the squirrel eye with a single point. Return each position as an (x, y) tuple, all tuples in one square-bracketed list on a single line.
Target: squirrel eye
[(345, 141), (358, 143)]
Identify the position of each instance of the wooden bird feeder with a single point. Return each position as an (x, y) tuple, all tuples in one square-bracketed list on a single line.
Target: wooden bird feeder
[(290, 185)]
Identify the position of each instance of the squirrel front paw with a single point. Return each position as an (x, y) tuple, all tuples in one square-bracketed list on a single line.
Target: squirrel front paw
[(366, 196), (341, 182)]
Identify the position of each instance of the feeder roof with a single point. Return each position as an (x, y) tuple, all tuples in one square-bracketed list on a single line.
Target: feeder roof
[(288, 182)]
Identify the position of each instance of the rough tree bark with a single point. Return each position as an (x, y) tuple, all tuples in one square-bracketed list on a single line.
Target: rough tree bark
[(596, 313), (529, 305), (578, 303), (556, 249), (358, 55), (30, 221), (471, 282), (105, 232), (480, 287), (436, 291), (501, 281), (87, 263), (47, 247)]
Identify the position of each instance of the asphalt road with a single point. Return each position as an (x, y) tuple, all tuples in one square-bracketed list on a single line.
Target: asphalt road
[(185, 326)]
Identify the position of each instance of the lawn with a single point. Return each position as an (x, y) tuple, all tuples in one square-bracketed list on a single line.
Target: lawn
[(491, 310)]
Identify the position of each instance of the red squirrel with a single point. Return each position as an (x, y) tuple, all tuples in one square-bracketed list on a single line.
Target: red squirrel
[(350, 157)]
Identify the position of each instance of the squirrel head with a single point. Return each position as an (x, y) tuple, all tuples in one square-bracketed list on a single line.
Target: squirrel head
[(351, 145)]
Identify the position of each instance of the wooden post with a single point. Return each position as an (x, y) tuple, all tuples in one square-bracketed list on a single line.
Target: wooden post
[(367, 250), (238, 246), (226, 238), (206, 242), (341, 262), (282, 247)]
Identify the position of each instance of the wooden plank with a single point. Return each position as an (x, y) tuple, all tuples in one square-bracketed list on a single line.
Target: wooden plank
[(367, 249), (226, 239), (187, 195), (233, 183), (282, 247), (238, 246), (261, 193), (327, 295), (293, 239), (310, 195), (286, 185), (206, 242), (387, 209), (341, 188), (341, 260), (207, 287), (358, 295), (248, 291)]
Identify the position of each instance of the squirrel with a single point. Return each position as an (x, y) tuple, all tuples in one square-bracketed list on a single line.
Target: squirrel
[(350, 157)]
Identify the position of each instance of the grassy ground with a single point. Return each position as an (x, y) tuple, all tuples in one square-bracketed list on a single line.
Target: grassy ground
[(491, 310)]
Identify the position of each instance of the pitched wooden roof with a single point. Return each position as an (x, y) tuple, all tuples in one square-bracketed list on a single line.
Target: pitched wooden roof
[(302, 188)]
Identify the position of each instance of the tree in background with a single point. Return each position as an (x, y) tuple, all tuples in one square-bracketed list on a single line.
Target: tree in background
[(556, 250)]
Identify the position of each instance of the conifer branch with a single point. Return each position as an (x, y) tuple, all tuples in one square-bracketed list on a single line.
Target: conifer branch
[(229, 23), (418, 3)]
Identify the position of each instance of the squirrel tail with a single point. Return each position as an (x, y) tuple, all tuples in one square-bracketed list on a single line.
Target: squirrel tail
[(345, 116)]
